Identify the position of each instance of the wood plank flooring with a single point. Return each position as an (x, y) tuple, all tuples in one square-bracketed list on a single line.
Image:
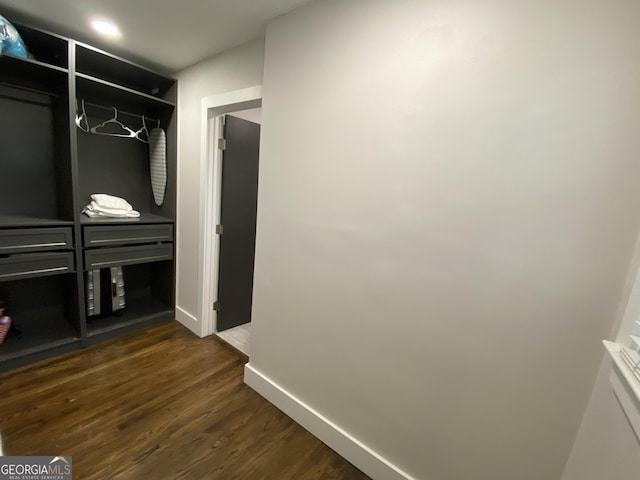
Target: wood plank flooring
[(158, 404)]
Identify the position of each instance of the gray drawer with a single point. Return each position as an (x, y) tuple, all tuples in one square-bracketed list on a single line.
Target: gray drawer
[(115, 257), (28, 265), (14, 240), (111, 235)]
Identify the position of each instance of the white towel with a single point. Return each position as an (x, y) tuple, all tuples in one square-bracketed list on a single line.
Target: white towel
[(95, 210), (109, 201)]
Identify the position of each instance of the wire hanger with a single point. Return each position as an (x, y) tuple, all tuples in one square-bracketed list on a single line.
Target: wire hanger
[(81, 120), (124, 131), (143, 133)]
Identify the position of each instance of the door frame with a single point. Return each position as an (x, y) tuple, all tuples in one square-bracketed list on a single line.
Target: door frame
[(212, 110)]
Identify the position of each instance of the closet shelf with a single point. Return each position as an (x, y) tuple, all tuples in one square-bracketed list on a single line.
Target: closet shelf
[(26, 72), (35, 64), (25, 221), (96, 89), (137, 311), (39, 334)]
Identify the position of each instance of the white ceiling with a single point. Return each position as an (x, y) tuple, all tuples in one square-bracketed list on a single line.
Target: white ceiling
[(166, 34)]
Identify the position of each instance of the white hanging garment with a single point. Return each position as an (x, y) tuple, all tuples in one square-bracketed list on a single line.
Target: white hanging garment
[(158, 159)]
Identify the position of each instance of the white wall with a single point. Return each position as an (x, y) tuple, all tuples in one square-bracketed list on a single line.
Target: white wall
[(606, 446), (233, 70), (447, 209)]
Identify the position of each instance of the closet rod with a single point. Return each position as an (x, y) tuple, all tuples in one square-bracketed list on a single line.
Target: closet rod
[(110, 109)]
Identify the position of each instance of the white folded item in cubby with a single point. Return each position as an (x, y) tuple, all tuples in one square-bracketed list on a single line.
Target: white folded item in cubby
[(95, 210), (109, 201)]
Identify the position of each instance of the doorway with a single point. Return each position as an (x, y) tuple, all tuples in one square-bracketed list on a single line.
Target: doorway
[(239, 149), (206, 284)]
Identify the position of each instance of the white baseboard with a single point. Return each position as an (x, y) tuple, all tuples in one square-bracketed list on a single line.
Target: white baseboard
[(349, 447), (189, 321)]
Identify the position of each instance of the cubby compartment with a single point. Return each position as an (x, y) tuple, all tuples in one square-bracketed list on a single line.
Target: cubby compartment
[(115, 166), (31, 75), (120, 166), (45, 47), (45, 70), (101, 65), (44, 310), (108, 94), (36, 164), (148, 298)]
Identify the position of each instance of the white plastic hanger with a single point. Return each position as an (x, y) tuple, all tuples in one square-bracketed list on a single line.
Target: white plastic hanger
[(81, 120), (125, 131), (143, 133)]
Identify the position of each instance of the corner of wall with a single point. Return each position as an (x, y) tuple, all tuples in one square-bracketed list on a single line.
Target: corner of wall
[(189, 321), (356, 452)]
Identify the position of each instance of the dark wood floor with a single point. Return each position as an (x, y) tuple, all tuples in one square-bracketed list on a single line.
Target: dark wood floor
[(158, 404)]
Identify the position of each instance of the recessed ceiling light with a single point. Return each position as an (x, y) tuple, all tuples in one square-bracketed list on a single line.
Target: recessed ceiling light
[(105, 27)]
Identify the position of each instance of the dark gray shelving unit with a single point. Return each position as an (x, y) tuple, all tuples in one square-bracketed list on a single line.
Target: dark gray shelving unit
[(50, 167)]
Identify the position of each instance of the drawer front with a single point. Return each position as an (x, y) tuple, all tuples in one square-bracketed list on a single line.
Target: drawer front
[(15, 240), (28, 265), (115, 257), (111, 235)]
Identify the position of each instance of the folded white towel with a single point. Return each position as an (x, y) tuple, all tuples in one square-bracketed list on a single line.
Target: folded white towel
[(95, 210), (117, 212), (109, 201), (90, 213)]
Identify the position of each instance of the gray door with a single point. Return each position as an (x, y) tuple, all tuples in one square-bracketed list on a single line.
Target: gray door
[(238, 219)]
